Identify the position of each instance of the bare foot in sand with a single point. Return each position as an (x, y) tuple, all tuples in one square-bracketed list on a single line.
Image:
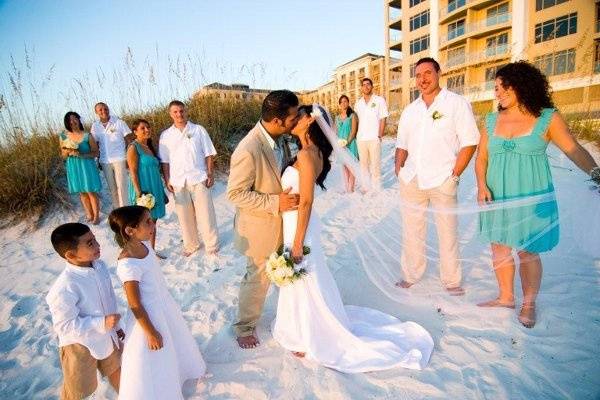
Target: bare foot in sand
[(187, 253), (403, 284), (298, 354), (248, 342), (527, 315), (456, 291), (497, 303)]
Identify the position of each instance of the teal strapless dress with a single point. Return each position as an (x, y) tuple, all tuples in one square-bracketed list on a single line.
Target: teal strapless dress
[(519, 168), (82, 173), (150, 181), (344, 127)]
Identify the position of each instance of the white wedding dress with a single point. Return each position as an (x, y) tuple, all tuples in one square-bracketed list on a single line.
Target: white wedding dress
[(312, 319)]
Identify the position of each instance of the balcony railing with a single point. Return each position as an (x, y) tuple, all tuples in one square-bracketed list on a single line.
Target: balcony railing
[(476, 56), (395, 14), (396, 37), (452, 7), (475, 27)]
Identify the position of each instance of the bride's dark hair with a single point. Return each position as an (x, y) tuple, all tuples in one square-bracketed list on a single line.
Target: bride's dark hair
[(317, 136)]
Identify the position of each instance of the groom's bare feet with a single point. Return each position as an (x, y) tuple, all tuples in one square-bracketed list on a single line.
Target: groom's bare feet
[(248, 342), (403, 284), (298, 354)]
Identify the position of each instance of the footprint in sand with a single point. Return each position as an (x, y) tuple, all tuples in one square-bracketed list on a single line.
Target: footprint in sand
[(24, 306)]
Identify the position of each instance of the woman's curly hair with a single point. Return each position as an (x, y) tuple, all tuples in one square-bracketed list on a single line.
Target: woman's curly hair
[(530, 85)]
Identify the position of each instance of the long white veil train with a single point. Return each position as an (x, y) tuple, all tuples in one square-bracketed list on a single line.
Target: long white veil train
[(578, 222)]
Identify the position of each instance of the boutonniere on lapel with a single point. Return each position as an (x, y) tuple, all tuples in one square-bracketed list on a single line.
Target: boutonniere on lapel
[(188, 134), (436, 115), (373, 105), (111, 130)]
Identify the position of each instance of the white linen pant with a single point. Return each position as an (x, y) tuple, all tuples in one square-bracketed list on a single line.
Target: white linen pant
[(115, 174), (414, 230), (369, 155), (196, 213)]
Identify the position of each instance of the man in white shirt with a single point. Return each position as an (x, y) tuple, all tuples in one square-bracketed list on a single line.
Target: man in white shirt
[(437, 136), (110, 132), (372, 113), (187, 155), (83, 306)]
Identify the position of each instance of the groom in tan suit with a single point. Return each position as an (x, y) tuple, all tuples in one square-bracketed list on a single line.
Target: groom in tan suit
[(254, 188)]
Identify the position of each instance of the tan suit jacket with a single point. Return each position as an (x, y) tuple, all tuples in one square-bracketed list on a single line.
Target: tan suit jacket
[(253, 187)]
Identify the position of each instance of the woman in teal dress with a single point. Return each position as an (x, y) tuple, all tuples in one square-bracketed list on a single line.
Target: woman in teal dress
[(512, 164), (144, 171), (347, 125), (79, 150)]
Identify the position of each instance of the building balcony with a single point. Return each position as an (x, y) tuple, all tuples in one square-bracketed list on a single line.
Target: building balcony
[(490, 54), (395, 84), (459, 8), (396, 65), (395, 4), (475, 29), (396, 41)]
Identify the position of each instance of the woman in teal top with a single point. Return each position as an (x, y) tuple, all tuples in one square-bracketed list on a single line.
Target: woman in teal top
[(512, 164), (347, 125), (79, 150), (144, 171)]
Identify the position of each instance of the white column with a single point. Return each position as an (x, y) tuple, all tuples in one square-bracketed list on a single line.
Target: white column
[(434, 29), (520, 27)]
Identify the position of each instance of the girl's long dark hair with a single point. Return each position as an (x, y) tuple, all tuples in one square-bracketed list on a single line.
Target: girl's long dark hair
[(349, 111), (150, 143), (530, 85), (317, 136), (123, 217)]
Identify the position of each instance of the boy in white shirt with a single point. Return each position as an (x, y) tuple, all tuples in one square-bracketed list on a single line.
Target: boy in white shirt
[(84, 314)]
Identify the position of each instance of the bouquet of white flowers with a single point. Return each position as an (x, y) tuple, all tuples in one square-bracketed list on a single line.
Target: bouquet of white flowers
[(342, 142), (281, 269), (146, 200), (69, 144)]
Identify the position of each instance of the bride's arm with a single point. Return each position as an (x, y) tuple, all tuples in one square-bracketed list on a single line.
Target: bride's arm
[(308, 177)]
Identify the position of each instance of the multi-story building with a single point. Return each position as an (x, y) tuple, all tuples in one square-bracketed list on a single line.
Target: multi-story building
[(235, 91), (472, 38), (347, 80)]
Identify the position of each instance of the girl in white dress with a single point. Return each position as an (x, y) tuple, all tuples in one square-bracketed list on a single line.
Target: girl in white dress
[(160, 353), (311, 318)]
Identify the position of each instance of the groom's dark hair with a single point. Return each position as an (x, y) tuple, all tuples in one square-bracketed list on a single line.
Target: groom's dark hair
[(277, 105)]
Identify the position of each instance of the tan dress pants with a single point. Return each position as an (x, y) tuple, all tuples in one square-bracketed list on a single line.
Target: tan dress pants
[(369, 156), (116, 179), (196, 214), (414, 230)]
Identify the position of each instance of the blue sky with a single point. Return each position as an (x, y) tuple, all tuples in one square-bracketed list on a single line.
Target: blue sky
[(264, 43)]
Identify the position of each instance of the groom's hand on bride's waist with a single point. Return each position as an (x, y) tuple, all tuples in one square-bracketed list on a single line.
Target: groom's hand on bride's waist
[(288, 201)]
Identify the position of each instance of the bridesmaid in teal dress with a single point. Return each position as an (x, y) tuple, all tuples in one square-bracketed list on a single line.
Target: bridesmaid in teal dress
[(144, 171), (79, 150), (347, 125), (512, 164)]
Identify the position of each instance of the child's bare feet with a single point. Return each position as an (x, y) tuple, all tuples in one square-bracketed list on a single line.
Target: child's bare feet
[(298, 354), (527, 315), (403, 284), (497, 303)]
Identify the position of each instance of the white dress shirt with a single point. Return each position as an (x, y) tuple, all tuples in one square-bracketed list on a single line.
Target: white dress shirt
[(369, 116), (433, 144), (79, 300), (111, 139), (185, 152), (277, 150)]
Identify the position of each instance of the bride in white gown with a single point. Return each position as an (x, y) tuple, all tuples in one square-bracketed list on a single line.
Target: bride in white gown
[(311, 319)]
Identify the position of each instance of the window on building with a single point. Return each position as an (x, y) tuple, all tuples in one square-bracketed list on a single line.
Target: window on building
[(419, 20), (497, 14), (414, 94), (419, 44), (490, 76), (597, 57), (456, 83), (542, 4), (560, 62), (496, 45), (555, 28), (456, 29), (454, 4), (456, 56), (412, 69), (413, 3)]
